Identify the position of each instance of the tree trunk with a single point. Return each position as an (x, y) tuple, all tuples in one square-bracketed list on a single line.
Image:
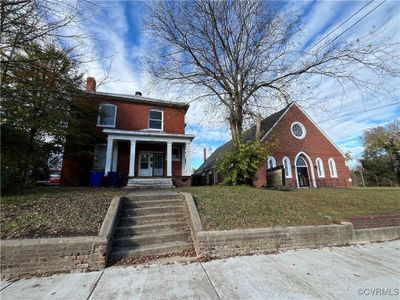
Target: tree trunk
[(236, 126), (29, 151)]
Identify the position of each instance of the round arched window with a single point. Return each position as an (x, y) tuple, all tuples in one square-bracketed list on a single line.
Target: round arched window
[(298, 130)]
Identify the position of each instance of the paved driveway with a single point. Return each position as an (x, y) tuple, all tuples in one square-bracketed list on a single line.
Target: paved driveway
[(358, 272)]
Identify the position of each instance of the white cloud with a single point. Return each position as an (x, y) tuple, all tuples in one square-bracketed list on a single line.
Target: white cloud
[(206, 121)]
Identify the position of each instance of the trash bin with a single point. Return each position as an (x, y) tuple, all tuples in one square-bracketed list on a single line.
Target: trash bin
[(113, 179), (95, 178)]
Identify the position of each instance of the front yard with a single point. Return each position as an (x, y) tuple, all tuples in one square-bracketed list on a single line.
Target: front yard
[(63, 211), (55, 212), (223, 208)]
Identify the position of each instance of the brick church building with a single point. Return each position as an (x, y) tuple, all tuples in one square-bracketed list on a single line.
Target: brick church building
[(304, 157)]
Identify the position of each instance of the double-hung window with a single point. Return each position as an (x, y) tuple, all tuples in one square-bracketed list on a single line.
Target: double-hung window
[(107, 115), (156, 119)]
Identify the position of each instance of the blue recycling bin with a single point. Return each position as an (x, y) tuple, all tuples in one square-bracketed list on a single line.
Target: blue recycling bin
[(95, 178), (113, 179)]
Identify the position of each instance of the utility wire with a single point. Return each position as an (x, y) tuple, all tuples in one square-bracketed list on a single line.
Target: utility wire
[(357, 22), (340, 25), (360, 112)]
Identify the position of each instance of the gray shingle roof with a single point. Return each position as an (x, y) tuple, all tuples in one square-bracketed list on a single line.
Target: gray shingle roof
[(140, 99), (248, 135)]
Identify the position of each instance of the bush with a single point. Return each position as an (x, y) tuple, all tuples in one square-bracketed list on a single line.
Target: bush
[(239, 165)]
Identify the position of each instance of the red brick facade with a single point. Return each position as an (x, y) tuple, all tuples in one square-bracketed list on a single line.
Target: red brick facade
[(134, 116), (132, 121), (314, 145)]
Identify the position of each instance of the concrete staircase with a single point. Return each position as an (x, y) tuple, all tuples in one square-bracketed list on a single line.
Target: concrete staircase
[(150, 182), (151, 224)]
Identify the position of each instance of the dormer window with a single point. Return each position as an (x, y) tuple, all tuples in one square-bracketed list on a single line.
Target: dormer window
[(107, 115), (156, 119)]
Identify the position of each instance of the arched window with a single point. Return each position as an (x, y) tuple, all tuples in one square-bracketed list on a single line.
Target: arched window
[(287, 167), (271, 162), (107, 115), (332, 167), (320, 167)]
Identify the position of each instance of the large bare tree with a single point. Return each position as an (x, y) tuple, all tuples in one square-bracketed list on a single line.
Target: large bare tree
[(243, 53)]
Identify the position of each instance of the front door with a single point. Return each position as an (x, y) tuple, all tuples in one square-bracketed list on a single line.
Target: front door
[(151, 164), (302, 172), (158, 164)]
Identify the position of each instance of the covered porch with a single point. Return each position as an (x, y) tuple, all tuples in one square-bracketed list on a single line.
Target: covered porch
[(138, 154)]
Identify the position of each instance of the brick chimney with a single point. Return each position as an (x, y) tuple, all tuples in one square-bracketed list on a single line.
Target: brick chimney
[(205, 154), (90, 84)]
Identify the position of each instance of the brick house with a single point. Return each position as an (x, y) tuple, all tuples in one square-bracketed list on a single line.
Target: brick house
[(304, 156), (143, 139)]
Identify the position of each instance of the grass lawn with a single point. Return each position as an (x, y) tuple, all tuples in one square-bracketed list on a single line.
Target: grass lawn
[(55, 212), (222, 207)]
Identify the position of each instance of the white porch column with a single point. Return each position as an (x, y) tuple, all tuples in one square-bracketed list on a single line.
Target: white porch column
[(183, 161), (132, 159), (115, 157), (169, 159), (188, 165), (107, 167)]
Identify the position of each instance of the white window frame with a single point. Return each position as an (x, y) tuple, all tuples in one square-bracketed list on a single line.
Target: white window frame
[(162, 119), (302, 127), (289, 169), (273, 160), (179, 153), (320, 167), (332, 167), (115, 115)]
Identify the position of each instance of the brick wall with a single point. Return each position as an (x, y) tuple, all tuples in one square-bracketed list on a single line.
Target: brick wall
[(56, 255), (314, 144), (134, 116), (38, 256), (361, 222), (270, 240)]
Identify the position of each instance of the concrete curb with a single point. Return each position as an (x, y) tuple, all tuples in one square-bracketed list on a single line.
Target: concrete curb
[(65, 254), (220, 244)]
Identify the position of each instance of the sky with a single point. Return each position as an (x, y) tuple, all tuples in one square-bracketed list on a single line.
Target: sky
[(118, 37)]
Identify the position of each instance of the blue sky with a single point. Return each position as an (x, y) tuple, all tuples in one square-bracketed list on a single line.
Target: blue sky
[(117, 28)]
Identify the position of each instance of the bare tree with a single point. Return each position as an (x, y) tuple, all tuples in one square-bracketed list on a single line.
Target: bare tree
[(243, 53), (24, 22)]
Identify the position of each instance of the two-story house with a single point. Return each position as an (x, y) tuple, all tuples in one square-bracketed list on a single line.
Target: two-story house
[(144, 140)]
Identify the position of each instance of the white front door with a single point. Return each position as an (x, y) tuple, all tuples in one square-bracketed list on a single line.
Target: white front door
[(151, 164), (145, 164)]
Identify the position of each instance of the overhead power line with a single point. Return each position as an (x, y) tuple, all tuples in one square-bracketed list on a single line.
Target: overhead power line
[(362, 18), (341, 24), (360, 112)]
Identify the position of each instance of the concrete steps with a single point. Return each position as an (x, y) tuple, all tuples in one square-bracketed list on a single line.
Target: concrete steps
[(154, 238), (150, 219), (152, 203), (151, 224), (150, 250), (150, 182), (150, 228), (145, 211)]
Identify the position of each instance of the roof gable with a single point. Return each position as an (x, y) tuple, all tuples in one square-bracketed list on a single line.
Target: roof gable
[(266, 127), (293, 104)]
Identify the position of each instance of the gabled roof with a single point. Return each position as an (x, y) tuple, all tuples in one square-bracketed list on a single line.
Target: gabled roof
[(139, 99), (265, 127)]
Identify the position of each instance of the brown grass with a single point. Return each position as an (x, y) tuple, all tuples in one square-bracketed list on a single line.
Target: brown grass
[(222, 207)]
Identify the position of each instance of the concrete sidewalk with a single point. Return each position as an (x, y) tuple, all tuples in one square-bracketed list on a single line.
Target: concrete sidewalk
[(358, 272)]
